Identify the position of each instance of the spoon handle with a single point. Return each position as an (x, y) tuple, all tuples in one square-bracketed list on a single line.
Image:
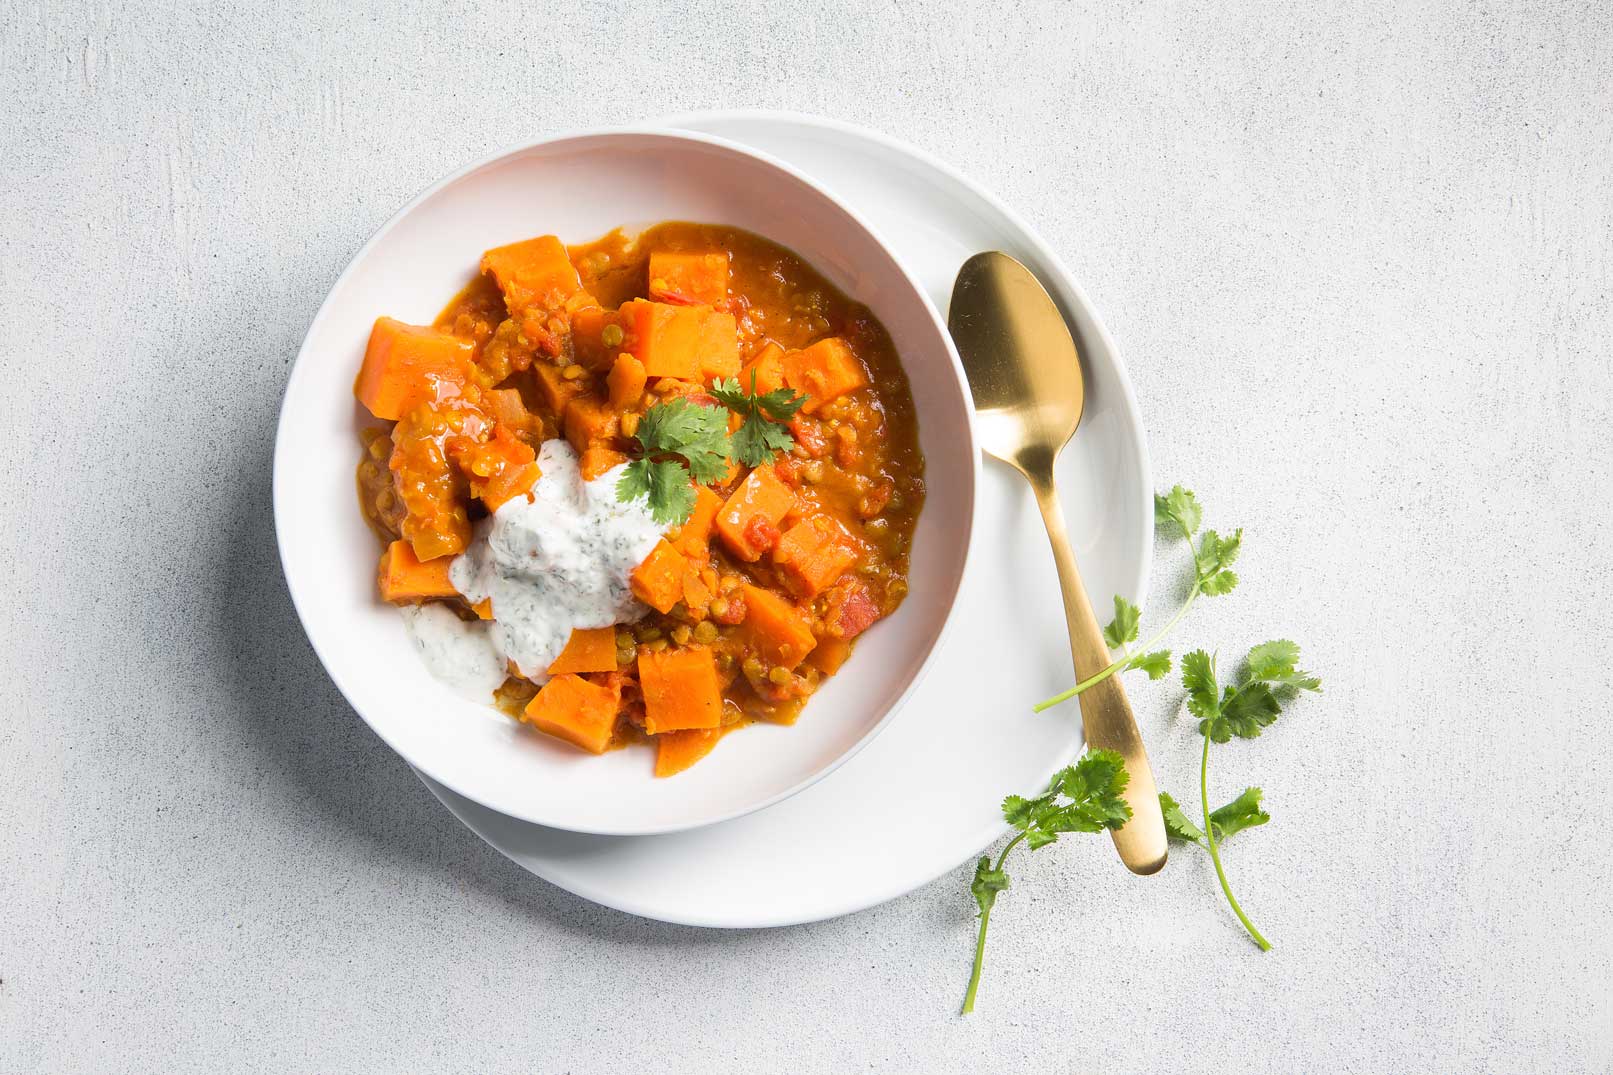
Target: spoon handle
[(1106, 715)]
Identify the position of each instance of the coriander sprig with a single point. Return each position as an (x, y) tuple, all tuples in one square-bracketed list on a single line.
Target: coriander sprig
[(761, 434), (697, 434), (1270, 677), (1213, 556), (1084, 797), (679, 440)]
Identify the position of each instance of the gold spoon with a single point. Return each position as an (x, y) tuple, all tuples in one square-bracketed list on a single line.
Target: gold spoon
[(1026, 378)]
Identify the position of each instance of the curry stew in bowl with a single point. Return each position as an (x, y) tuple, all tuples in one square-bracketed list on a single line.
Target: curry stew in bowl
[(644, 489)]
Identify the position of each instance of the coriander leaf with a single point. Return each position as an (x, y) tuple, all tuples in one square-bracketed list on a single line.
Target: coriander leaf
[(1017, 811), (1271, 659), (1274, 663), (634, 482), (1198, 679), (1099, 777), (1123, 628), (1241, 813), (1040, 837), (1212, 560), (664, 484), (672, 498), (759, 435), (757, 439), (779, 404), (1179, 506), (987, 883), (1177, 825), (1156, 664), (694, 431), (1245, 710), (680, 429), (1303, 681), (1094, 786)]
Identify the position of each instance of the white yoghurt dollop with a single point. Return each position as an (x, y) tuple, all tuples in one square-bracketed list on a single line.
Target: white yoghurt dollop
[(460, 654), (559, 561)]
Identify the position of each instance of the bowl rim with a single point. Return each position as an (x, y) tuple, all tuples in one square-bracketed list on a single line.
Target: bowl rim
[(280, 479)]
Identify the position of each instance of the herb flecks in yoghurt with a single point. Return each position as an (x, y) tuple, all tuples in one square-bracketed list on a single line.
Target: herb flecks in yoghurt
[(559, 561)]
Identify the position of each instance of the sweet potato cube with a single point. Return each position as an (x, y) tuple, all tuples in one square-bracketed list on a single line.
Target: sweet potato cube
[(812, 554), (404, 579), (405, 364), (676, 751), (748, 522), (694, 538), (588, 344), (571, 708), (596, 460), (510, 481), (697, 587), (658, 581), (556, 390), (506, 407), (589, 421), (688, 279), (688, 343), (680, 689), (829, 654), (823, 371), (590, 649), (626, 382), (533, 273), (718, 346), (778, 631), (767, 367)]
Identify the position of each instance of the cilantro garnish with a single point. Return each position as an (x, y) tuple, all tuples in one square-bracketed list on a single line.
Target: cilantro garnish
[(697, 434), (681, 442), (1270, 677), (1084, 797), (761, 434)]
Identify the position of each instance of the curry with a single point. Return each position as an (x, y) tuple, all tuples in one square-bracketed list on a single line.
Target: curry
[(560, 360)]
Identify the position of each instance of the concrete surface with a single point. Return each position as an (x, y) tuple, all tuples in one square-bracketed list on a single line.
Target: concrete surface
[(1358, 257)]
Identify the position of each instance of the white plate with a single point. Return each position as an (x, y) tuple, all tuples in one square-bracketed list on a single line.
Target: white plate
[(967, 736), (581, 186)]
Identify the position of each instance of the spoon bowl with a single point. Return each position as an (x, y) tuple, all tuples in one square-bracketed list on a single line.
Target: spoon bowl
[(1024, 408)]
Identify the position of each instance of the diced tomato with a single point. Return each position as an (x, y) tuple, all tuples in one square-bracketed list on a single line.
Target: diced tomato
[(734, 612), (852, 609), (809, 435), (761, 534), (874, 501)]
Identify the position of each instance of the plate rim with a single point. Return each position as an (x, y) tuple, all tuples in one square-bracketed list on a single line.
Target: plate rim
[(280, 478), (1139, 584)]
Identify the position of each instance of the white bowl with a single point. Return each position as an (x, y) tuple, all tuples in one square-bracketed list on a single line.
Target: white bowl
[(579, 187)]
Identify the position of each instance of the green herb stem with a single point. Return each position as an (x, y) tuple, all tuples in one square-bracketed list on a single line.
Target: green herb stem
[(980, 938), (1215, 855), (1115, 666)]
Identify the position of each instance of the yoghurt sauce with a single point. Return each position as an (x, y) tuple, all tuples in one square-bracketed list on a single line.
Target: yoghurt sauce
[(558, 561)]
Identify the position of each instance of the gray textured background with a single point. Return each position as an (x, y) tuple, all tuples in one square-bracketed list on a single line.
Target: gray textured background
[(1358, 257)]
